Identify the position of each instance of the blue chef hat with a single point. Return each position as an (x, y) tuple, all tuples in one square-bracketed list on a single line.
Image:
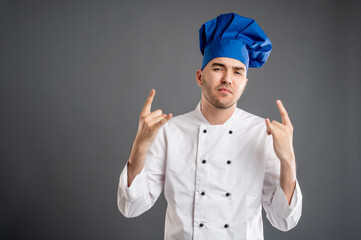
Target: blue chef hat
[(234, 36)]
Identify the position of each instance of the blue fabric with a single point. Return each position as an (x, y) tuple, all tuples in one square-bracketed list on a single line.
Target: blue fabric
[(234, 36)]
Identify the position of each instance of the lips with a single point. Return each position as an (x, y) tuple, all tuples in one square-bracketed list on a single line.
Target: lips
[(225, 90)]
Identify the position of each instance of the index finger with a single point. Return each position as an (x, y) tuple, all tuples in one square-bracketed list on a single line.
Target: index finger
[(148, 102), (284, 115)]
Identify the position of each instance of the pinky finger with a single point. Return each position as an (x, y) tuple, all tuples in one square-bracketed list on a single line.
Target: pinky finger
[(269, 126)]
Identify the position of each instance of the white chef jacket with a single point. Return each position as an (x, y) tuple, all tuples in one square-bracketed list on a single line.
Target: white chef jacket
[(216, 178)]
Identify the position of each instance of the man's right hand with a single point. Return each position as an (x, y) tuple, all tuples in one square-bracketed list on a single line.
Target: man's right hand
[(150, 122)]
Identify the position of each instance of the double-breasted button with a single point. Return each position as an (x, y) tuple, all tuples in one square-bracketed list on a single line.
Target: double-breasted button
[(228, 194), (204, 161), (230, 132), (203, 193), (226, 225), (229, 162), (201, 224), (205, 130)]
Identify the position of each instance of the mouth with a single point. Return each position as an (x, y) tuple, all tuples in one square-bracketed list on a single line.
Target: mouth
[(224, 90)]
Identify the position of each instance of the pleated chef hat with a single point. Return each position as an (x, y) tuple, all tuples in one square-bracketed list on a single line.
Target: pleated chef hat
[(234, 36)]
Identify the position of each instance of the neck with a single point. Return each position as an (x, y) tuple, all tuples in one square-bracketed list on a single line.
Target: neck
[(215, 115)]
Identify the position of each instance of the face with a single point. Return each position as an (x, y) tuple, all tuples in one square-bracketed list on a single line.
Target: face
[(223, 81)]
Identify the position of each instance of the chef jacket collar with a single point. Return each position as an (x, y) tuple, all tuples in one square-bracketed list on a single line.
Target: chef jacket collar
[(203, 120)]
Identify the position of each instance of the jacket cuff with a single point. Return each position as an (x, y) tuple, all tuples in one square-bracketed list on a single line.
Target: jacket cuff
[(280, 203), (136, 189)]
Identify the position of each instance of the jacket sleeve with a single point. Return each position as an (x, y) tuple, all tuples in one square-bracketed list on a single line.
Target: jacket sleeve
[(147, 185), (281, 215)]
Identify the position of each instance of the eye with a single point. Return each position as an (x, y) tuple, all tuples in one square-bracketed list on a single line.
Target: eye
[(216, 69), (238, 73)]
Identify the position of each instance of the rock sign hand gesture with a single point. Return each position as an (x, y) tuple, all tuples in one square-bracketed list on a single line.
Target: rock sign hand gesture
[(150, 122), (282, 134)]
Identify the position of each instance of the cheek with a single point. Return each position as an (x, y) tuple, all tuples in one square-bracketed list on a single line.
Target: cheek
[(240, 86), (212, 78), (244, 82), (210, 83)]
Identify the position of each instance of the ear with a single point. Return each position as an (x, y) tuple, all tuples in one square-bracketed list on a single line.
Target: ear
[(199, 77)]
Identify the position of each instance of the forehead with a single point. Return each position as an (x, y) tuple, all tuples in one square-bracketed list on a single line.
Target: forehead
[(228, 62)]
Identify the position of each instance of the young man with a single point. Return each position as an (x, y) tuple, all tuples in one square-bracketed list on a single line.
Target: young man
[(218, 165)]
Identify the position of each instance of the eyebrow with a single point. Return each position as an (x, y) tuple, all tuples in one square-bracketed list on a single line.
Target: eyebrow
[(234, 67)]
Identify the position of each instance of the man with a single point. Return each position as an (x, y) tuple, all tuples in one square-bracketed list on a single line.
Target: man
[(218, 165)]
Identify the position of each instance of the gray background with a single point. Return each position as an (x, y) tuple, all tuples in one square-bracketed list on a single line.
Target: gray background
[(74, 77)]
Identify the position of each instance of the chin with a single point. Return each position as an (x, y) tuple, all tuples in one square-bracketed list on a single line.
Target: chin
[(223, 105)]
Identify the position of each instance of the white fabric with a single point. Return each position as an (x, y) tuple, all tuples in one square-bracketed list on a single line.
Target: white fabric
[(174, 163)]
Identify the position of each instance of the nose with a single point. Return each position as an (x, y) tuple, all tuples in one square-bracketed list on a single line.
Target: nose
[(227, 78)]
